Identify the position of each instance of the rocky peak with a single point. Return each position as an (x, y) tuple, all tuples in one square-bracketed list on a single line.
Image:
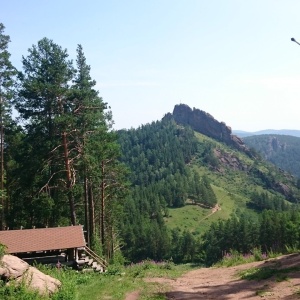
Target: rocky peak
[(205, 123)]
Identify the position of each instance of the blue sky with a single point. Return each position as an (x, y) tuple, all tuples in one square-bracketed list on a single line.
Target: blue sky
[(231, 58)]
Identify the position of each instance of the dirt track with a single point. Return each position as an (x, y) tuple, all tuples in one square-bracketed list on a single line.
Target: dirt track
[(223, 283)]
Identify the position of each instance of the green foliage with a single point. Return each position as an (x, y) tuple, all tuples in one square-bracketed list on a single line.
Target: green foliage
[(62, 165), (7, 83), (17, 291), (234, 258), (161, 179), (149, 268), (69, 279), (118, 259), (7, 71), (96, 244), (3, 250), (261, 201), (273, 232), (185, 247), (146, 146), (120, 281), (266, 272), (257, 273)]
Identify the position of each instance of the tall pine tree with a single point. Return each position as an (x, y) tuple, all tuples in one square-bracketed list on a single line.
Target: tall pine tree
[(7, 73), (45, 106)]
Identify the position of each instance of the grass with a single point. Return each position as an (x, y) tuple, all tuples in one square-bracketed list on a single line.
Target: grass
[(234, 258), (129, 279), (197, 219), (232, 188), (15, 290), (263, 292), (267, 272), (187, 217), (112, 285)]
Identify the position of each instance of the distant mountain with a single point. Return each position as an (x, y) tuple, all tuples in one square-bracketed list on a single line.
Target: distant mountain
[(291, 132), (281, 150)]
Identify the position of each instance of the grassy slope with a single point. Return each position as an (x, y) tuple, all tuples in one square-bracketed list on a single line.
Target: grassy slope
[(232, 188), (197, 219)]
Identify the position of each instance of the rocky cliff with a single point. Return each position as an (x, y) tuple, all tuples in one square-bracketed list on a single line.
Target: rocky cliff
[(204, 123)]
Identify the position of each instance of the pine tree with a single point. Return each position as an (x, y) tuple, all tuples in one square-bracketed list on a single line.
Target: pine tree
[(45, 105), (7, 73), (89, 117), (98, 166)]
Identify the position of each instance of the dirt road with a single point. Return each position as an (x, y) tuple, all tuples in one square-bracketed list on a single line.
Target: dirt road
[(224, 283)]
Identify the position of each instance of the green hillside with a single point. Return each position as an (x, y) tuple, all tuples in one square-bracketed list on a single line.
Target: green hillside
[(183, 182), (197, 218), (232, 187)]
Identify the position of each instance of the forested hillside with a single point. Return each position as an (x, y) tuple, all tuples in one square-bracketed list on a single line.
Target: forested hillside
[(281, 150), (173, 166), (158, 156)]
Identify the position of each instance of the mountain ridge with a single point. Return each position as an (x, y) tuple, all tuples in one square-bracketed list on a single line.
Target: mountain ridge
[(206, 124), (291, 132)]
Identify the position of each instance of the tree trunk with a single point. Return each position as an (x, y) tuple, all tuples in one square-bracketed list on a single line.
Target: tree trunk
[(69, 179), (86, 210), (91, 211), (102, 216)]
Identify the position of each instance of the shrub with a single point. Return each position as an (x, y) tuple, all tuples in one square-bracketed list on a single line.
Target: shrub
[(234, 258), (3, 250)]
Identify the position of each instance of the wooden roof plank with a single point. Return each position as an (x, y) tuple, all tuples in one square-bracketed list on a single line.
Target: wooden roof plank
[(42, 239)]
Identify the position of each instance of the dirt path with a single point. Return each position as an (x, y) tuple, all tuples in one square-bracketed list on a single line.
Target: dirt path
[(132, 295), (224, 283), (216, 208)]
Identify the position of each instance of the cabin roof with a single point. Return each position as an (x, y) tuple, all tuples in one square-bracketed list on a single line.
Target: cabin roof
[(42, 239)]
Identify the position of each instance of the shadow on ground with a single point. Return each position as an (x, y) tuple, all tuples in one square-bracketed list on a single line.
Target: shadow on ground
[(212, 283)]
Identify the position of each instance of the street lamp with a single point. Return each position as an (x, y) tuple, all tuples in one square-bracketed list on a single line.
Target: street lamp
[(293, 40)]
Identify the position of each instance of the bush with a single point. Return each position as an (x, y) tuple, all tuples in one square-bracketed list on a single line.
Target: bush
[(234, 258), (3, 250)]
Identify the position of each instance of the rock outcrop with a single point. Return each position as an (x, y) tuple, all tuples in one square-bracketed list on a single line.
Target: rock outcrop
[(228, 160), (274, 146), (204, 123), (14, 268)]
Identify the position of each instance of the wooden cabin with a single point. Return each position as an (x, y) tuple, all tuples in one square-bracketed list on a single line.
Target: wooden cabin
[(56, 246), (45, 245)]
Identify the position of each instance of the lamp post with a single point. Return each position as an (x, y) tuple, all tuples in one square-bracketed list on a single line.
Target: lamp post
[(293, 40)]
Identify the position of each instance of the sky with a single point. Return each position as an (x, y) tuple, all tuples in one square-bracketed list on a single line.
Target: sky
[(231, 58)]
